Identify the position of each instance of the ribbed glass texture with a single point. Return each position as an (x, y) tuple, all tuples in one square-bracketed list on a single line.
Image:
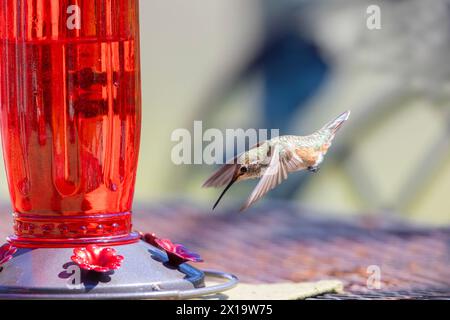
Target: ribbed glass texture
[(70, 113)]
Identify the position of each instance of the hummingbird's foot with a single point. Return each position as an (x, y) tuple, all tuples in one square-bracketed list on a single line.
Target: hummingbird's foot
[(313, 169)]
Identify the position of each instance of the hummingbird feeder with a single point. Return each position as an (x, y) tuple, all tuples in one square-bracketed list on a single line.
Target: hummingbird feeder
[(70, 112)]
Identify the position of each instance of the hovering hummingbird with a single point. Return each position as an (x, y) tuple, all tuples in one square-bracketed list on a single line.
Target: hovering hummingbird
[(274, 159)]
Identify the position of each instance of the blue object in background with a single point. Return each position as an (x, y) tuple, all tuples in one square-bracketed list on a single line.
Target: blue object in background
[(293, 71)]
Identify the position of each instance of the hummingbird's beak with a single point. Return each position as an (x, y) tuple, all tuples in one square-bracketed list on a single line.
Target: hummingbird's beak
[(236, 176)]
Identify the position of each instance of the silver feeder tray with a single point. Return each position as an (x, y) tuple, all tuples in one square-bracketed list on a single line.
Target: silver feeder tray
[(49, 273)]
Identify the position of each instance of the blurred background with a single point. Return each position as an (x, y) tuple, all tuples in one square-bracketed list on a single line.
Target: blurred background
[(294, 65)]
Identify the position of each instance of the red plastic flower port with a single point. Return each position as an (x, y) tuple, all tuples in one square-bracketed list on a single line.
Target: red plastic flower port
[(177, 253), (6, 253), (150, 238), (97, 258)]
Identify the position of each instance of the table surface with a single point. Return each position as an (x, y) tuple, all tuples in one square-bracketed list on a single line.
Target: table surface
[(279, 243)]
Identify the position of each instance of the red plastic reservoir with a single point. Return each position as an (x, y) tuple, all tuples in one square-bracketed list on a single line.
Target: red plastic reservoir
[(70, 118)]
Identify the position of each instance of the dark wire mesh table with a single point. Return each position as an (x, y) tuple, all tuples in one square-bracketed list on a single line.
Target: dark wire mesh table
[(277, 243)]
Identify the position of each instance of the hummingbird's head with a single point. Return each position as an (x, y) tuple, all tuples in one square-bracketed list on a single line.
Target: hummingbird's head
[(243, 173), (243, 169), (239, 174)]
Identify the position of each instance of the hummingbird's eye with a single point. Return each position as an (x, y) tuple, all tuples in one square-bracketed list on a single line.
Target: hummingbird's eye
[(244, 169)]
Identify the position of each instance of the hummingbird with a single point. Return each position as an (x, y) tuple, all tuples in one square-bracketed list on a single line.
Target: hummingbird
[(272, 160)]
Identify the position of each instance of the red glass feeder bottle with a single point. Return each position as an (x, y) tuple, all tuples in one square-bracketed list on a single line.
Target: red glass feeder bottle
[(70, 119), (70, 115)]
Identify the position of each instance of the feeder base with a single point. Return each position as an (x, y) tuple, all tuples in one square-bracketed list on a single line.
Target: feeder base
[(49, 273)]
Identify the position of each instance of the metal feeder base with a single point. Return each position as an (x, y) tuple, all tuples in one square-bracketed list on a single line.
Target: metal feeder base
[(49, 273)]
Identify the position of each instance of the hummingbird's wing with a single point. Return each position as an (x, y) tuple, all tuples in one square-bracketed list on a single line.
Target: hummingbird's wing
[(276, 173), (222, 176)]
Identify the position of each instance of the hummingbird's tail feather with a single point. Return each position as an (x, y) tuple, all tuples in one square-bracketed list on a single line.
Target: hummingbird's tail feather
[(334, 125)]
